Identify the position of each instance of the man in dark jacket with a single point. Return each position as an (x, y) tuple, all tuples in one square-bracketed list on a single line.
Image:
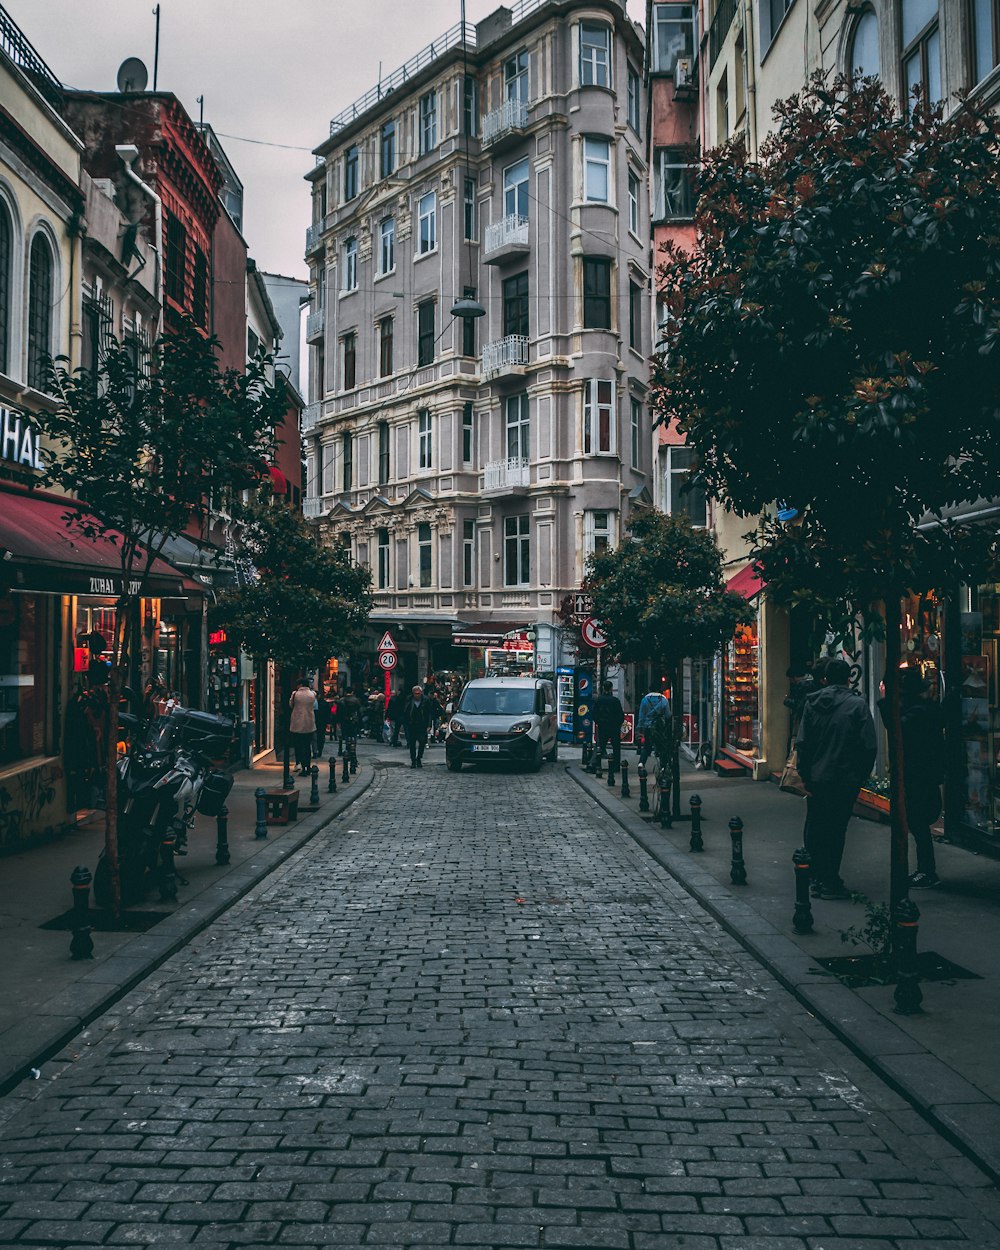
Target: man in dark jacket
[(609, 716), (416, 721), (836, 751), (394, 715)]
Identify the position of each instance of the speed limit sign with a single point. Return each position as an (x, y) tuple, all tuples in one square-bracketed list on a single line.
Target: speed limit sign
[(387, 659), (592, 633)]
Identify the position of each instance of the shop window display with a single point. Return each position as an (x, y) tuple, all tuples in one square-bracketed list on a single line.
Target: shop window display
[(741, 723), (24, 678)]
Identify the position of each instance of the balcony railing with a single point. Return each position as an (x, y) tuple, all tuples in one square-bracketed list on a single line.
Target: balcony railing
[(504, 354), (511, 116), (15, 44), (719, 29), (313, 507), (314, 237), (315, 324), (501, 474), (310, 416), (508, 231)]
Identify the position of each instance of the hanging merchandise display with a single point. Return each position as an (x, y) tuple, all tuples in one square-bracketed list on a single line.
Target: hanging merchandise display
[(223, 676), (741, 691)]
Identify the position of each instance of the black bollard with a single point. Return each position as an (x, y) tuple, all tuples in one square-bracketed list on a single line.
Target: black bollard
[(626, 793), (344, 777), (168, 877), (598, 761), (331, 785), (908, 995), (354, 757), (82, 944), (802, 921), (611, 772), (314, 788), (222, 837), (260, 829), (697, 842), (585, 757), (643, 789), (663, 791), (737, 870)]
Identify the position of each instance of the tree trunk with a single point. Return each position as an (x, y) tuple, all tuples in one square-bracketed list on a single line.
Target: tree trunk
[(118, 650), (899, 835), (286, 697), (677, 727)]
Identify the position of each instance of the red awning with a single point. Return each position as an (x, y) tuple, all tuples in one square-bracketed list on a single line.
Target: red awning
[(279, 483), (747, 582), (40, 552)]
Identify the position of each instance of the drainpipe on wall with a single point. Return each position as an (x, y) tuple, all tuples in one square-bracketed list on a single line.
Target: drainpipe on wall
[(129, 154)]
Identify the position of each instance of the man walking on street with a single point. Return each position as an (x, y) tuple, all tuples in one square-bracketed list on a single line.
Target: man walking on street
[(394, 715), (609, 716), (836, 751), (653, 710), (416, 721)]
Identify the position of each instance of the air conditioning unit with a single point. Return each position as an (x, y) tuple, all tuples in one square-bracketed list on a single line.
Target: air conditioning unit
[(684, 74)]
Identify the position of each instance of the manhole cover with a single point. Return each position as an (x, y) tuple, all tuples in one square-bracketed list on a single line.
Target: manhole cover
[(857, 971), (104, 921)]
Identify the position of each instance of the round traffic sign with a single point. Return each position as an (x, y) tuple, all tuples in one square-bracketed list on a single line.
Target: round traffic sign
[(592, 633), (387, 659)]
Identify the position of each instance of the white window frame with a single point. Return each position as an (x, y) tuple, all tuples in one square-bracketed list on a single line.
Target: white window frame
[(470, 218), (635, 431), (660, 167), (675, 501), (633, 98), (384, 578), (599, 526), (515, 86), (597, 161), (517, 427), (468, 433), (516, 189), (517, 532), (599, 397), (659, 65), (427, 223), (425, 544), (387, 246), (595, 58), (428, 122), (350, 264), (634, 186), (425, 439), (468, 553)]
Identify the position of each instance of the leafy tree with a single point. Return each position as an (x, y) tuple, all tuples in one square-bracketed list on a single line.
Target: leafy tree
[(661, 598), (832, 344), (141, 454), (307, 602)]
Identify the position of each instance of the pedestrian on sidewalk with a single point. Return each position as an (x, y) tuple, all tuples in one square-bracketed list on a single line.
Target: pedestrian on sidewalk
[(836, 751), (394, 715), (416, 721), (609, 716), (923, 768), (654, 709), (323, 714), (302, 725)]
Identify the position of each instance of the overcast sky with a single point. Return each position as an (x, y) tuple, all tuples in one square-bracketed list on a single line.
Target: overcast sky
[(274, 72)]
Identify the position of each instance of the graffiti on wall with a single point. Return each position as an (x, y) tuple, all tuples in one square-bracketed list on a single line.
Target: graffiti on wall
[(28, 804)]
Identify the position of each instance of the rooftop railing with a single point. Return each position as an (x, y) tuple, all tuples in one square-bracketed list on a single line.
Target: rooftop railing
[(24, 56)]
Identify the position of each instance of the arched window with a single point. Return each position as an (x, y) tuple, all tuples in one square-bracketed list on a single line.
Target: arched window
[(6, 261), (40, 274), (864, 52)]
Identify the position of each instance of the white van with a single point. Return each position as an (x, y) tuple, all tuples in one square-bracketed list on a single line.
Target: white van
[(503, 718)]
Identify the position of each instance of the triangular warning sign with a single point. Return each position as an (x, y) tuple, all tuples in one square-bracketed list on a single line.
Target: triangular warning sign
[(387, 644)]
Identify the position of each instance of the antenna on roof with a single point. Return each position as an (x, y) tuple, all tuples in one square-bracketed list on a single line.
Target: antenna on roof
[(156, 48)]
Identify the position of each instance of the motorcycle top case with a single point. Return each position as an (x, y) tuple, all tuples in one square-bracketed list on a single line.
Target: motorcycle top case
[(208, 735), (214, 792)]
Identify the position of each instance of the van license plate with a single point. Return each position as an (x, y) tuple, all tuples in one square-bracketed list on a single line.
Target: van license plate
[(487, 747)]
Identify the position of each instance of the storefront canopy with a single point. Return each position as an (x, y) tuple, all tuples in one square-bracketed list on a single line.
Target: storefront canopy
[(747, 582), (41, 552), (485, 633)]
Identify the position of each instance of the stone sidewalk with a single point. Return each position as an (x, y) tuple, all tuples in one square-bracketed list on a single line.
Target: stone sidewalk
[(45, 997), (944, 1059)]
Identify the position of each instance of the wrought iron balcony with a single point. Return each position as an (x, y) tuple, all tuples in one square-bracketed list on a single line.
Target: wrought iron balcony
[(310, 417), (719, 29), (507, 474), (313, 508), (314, 237), (315, 324), (510, 118), (504, 238), (506, 355)]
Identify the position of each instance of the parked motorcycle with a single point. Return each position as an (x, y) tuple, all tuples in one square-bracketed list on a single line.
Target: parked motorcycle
[(170, 772)]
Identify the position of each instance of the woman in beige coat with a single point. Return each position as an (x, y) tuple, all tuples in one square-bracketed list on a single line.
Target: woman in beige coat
[(302, 725)]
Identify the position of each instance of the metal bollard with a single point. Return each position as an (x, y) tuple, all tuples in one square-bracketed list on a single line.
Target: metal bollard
[(738, 870), (626, 793), (331, 785), (611, 772), (598, 761), (697, 842), (666, 820), (643, 789), (260, 829), (168, 877), (802, 921), (585, 758), (907, 995), (314, 788), (344, 776), (354, 756), (222, 836), (82, 944)]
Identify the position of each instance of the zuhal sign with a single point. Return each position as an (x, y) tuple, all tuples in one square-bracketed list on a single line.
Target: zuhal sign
[(20, 442)]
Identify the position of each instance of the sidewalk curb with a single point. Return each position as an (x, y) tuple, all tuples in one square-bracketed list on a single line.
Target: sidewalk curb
[(957, 1109), (64, 1015)]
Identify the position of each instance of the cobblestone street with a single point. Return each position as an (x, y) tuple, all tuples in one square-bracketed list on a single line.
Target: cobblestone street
[(472, 1012)]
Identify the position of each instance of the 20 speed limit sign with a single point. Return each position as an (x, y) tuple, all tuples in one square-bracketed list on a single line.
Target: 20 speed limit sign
[(592, 633), (387, 659)]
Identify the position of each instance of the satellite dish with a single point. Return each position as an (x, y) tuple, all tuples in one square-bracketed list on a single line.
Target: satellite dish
[(132, 75)]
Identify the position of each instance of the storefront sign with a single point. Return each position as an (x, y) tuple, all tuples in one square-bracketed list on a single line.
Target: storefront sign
[(20, 442), (217, 638), (112, 586)]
